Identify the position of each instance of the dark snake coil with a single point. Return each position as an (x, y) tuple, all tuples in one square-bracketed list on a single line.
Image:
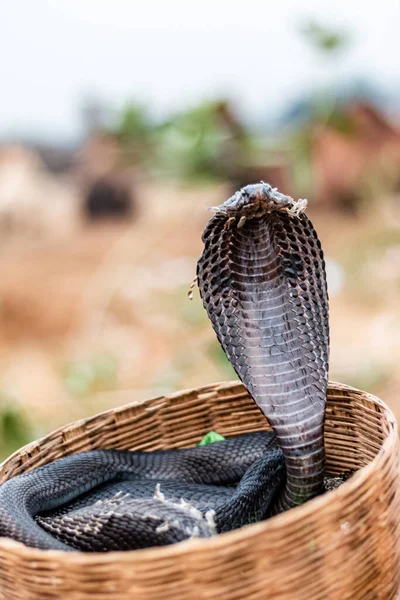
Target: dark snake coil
[(262, 280)]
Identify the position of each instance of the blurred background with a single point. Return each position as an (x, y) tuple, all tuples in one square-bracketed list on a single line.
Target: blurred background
[(120, 123)]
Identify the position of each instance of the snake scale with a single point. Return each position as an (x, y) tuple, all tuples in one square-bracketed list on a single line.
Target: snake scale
[(262, 280)]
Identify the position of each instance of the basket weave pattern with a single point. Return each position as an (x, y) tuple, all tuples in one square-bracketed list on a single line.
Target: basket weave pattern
[(342, 545)]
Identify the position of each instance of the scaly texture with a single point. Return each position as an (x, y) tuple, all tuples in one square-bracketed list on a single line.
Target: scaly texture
[(262, 280), (115, 500)]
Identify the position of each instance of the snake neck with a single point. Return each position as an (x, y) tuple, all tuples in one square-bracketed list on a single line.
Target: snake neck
[(305, 467)]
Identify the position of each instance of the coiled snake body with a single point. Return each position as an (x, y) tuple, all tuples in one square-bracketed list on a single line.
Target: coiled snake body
[(262, 280)]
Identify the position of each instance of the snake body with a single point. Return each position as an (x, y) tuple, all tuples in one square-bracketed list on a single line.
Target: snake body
[(262, 280)]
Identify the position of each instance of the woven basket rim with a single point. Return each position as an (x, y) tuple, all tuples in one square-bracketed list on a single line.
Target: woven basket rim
[(189, 546)]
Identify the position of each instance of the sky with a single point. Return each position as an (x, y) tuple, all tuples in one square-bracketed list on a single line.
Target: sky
[(168, 54)]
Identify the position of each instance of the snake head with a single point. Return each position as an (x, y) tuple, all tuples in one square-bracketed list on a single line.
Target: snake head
[(258, 199)]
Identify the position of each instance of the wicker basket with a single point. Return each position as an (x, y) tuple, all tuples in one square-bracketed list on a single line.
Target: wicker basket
[(343, 545)]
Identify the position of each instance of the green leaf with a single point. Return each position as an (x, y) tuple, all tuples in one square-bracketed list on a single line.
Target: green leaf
[(210, 438)]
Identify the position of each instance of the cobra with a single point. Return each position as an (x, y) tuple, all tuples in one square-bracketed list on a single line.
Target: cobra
[(262, 280)]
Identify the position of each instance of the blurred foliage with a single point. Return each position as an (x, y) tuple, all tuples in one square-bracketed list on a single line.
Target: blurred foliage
[(201, 143), (339, 120), (299, 145), (206, 141), (136, 132), (323, 38), (191, 144), (85, 377), (15, 429), (135, 124)]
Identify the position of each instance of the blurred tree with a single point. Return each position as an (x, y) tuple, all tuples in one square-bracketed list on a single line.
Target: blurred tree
[(136, 132), (204, 142), (324, 39)]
